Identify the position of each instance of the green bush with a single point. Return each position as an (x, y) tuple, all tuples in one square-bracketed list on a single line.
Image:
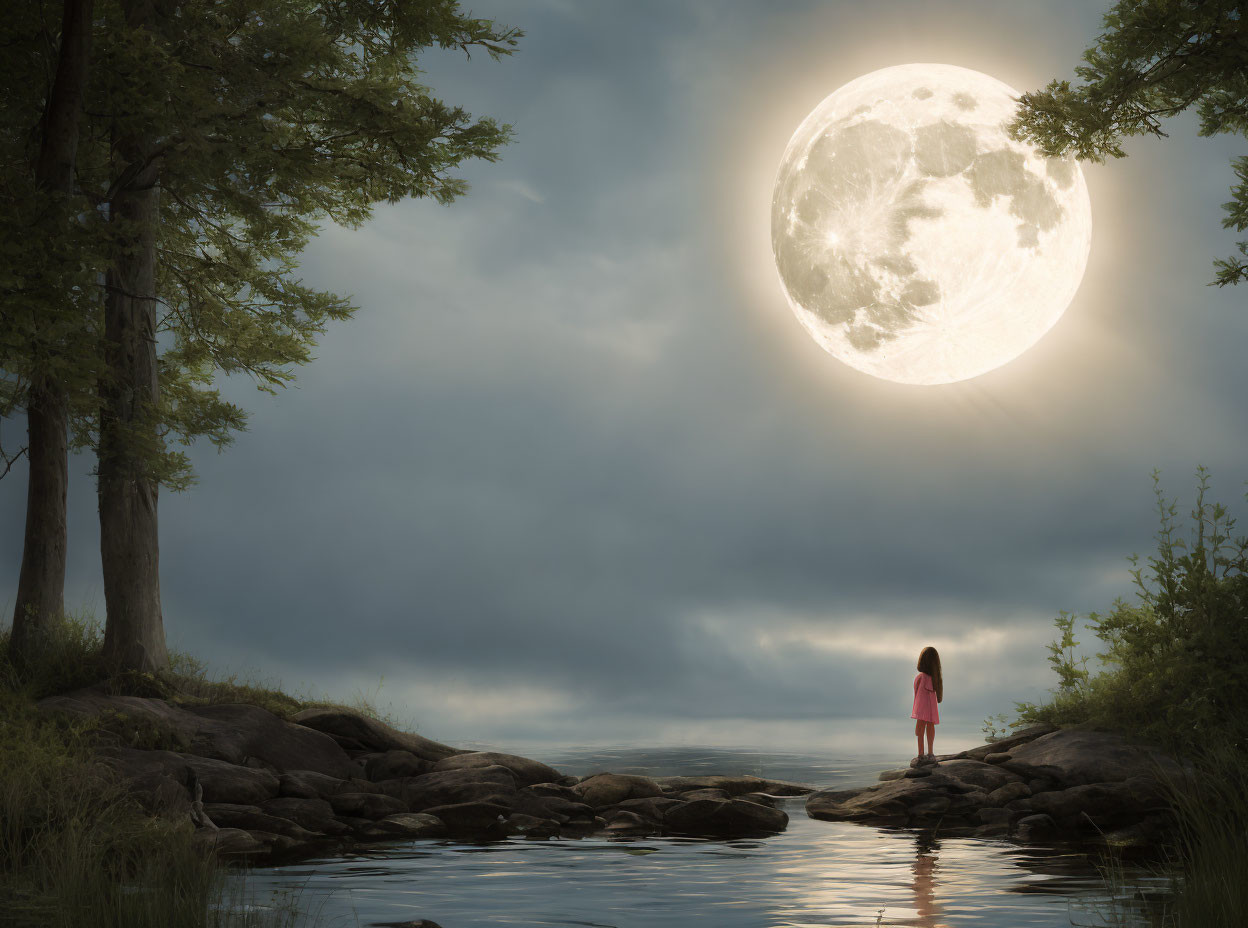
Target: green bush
[(1175, 659), (75, 850)]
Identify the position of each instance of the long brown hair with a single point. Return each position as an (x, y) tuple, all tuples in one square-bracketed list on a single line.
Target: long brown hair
[(929, 663)]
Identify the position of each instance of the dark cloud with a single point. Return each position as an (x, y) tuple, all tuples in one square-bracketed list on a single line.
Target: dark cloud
[(570, 474)]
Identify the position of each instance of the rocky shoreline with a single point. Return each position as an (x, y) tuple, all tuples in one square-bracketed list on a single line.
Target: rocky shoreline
[(259, 787), (1039, 785)]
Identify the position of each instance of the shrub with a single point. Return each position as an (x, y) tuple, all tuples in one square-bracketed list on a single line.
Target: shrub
[(1176, 659)]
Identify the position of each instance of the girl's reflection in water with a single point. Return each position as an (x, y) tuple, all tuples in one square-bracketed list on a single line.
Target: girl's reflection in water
[(926, 907)]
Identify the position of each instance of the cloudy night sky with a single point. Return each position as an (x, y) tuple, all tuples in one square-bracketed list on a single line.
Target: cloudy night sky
[(575, 473)]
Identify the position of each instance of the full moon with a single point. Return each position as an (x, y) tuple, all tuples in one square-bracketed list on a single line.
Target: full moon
[(915, 240)]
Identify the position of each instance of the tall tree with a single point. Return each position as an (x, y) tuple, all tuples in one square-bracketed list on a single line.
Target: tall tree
[(1156, 58), (43, 387), (218, 134)]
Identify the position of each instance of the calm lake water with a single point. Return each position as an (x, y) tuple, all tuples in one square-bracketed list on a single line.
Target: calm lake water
[(815, 874)]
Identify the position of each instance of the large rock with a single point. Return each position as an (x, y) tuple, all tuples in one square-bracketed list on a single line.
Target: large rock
[(312, 814), (160, 781), (251, 818), (308, 784), (527, 772), (1098, 803), (371, 734), (609, 789), (367, 805), (722, 817), (389, 765), (1072, 758), (224, 782), (448, 787), (405, 825), (236, 734), (470, 817), (228, 842), (976, 774), (1008, 743)]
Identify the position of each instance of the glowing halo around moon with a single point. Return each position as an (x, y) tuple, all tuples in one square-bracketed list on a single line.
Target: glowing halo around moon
[(915, 240)]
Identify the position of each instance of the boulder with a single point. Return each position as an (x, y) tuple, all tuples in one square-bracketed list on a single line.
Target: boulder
[(372, 734), (732, 817), (225, 782), (308, 784), (609, 789), (1008, 793), (229, 842), (405, 825), (160, 781), (552, 807), (994, 816), (312, 814), (275, 843), (651, 809), (367, 805), (975, 773), (527, 772), (1009, 742), (1072, 757), (531, 826), (999, 758), (893, 774), (449, 787), (554, 789), (763, 799), (388, 765), (734, 786), (1033, 827), (1099, 802), (470, 817), (623, 822), (251, 818), (232, 733), (703, 794)]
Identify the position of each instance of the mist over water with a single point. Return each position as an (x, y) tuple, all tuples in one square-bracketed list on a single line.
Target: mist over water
[(814, 874)]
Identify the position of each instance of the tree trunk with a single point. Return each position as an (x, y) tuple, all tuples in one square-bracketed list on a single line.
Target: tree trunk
[(134, 635), (41, 581)]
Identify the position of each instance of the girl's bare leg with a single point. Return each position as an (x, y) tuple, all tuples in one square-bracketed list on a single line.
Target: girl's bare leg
[(918, 731), (931, 736)]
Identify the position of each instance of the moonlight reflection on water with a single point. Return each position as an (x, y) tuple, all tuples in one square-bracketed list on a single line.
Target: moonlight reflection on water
[(814, 874)]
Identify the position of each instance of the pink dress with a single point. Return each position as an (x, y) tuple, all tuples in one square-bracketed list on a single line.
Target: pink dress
[(925, 699)]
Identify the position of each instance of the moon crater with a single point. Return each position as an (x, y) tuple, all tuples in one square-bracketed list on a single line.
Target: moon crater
[(914, 239)]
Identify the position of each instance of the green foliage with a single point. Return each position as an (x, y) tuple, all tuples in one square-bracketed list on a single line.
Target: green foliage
[(75, 851), (1176, 658), (995, 726), (1072, 673), (1155, 59), (1212, 812), (268, 117)]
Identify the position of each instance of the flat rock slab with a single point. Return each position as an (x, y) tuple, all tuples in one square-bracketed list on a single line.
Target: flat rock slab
[(372, 734), (232, 733), (1072, 758), (609, 789), (734, 786), (1062, 785), (527, 772), (448, 787)]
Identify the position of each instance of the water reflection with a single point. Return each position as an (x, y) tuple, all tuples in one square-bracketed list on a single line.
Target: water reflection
[(926, 908), (815, 875)]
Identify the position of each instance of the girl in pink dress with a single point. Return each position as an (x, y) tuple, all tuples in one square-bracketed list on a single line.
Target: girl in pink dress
[(928, 691)]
